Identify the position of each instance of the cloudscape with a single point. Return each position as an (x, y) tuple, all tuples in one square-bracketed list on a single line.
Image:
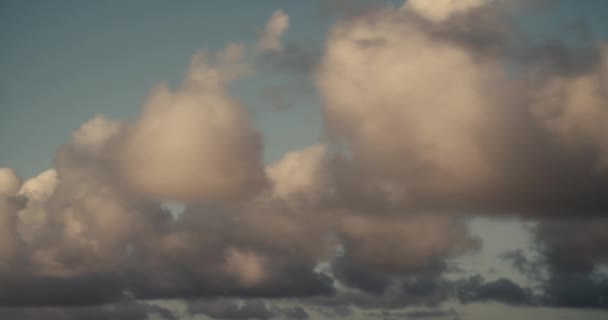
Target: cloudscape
[(419, 159)]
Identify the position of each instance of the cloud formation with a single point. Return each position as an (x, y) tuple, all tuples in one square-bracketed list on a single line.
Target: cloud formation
[(275, 28), (426, 125), (440, 10), (431, 123)]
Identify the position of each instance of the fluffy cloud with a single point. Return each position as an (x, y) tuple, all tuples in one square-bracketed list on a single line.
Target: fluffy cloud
[(275, 28), (301, 174), (374, 80), (440, 10), (9, 182), (432, 123), (32, 218), (195, 143)]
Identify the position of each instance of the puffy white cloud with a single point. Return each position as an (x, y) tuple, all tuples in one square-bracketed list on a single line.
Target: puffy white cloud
[(275, 28), (32, 218), (440, 10), (94, 135), (301, 174), (9, 181), (195, 143)]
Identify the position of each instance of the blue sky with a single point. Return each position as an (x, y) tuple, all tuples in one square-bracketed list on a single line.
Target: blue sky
[(64, 62)]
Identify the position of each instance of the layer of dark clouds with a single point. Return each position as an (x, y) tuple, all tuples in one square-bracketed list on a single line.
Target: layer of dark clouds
[(231, 310), (60, 291), (248, 309), (415, 314), (572, 253), (502, 290), (121, 311)]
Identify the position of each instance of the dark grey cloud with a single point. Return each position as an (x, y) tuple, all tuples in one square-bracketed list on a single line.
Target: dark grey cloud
[(424, 287), (428, 314), (184, 282), (359, 277), (121, 311), (575, 290), (224, 309), (572, 252), (415, 314), (60, 291), (295, 312), (474, 289), (245, 309)]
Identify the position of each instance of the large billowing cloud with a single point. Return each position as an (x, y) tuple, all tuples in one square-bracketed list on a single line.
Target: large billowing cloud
[(431, 122)]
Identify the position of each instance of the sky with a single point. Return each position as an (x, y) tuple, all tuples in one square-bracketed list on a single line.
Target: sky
[(322, 159)]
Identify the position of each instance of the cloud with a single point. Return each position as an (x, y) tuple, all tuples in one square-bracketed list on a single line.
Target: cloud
[(215, 251), (222, 309), (119, 311), (502, 290), (275, 28), (9, 181), (19, 291), (359, 277), (427, 314), (571, 256), (295, 312), (300, 174), (31, 220), (440, 10), (415, 314), (402, 244), (245, 309), (195, 143), (409, 147), (427, 116)]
